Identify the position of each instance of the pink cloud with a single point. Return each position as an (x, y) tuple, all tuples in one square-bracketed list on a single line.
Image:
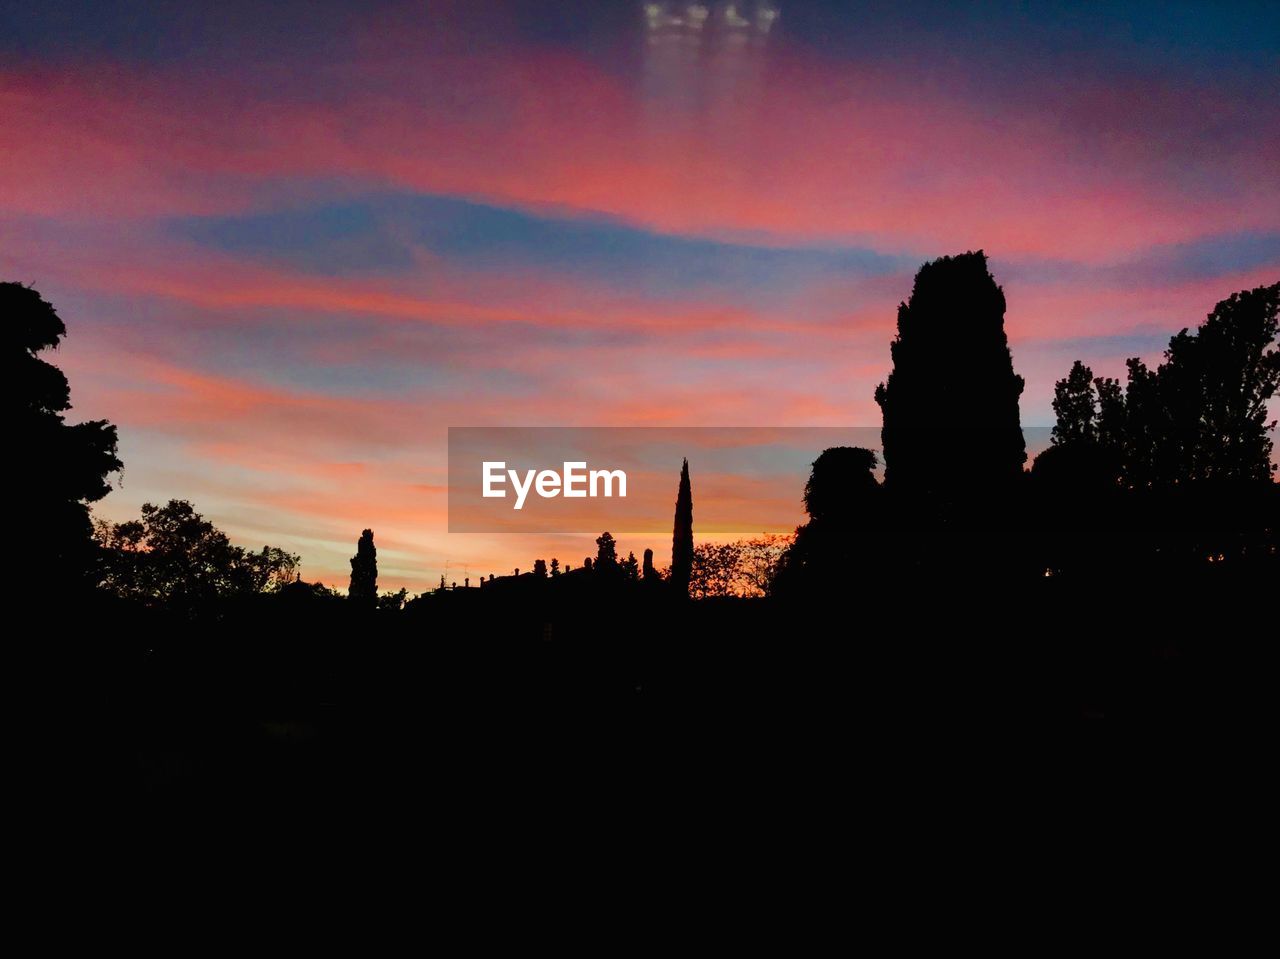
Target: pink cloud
[(837, 151)]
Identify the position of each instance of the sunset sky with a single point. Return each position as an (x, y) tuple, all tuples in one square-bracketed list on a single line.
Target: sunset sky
[(294, 242)]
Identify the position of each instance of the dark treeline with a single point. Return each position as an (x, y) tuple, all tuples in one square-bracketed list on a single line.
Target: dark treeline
[(1167, 475), (1109, 577)]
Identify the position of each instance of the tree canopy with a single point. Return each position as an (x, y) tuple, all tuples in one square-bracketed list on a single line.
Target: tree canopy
[(1201, 415), (173, 556), (63, 466), (845, 504)]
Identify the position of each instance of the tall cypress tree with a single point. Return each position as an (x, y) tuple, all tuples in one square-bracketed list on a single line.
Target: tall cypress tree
[(364, 571), (951, 403), (682, 536)]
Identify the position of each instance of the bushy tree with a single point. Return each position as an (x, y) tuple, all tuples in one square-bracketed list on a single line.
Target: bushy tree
[(62, 467), (845, 503), (267, 570), (714, 570), (1201, 415), (842, 485), (393, 602), (606, 552), (743, 568), (1187, 445), (172, 556), (1075, 406), (1084, 457), (1110, 417), (1215, 384)]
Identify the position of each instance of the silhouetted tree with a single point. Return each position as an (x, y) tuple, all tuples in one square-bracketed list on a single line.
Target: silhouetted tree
[(1075, 469), (303, 593), (1076, 479), (1189, 441), (714, 570), (540, 568), (630, 567), (174, 557), (393, 602), (1143, 427), (746, 567), (1075, 404), (761, 558), (265, 571), (1111, 413), (840, 542), (682, 536), (1215, 384), (364, 571), (1201, 415), (842, 485), (952, 397), (606, 552), (555, 566), (649, 572), (1084, 459), (62, 467)]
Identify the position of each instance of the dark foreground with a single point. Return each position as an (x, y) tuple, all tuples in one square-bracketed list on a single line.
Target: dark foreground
[(285, 703)]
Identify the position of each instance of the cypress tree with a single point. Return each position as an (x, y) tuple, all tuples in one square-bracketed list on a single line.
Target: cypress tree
[(950, 404), (364, 570), (682, 536)]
